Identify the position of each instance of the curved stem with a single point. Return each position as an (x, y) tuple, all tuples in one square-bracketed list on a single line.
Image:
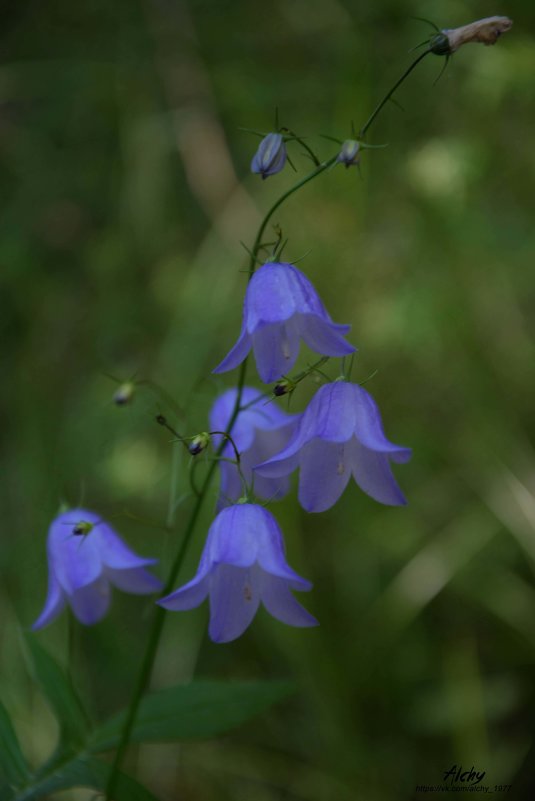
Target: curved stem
[(389, 94), (256, 247)]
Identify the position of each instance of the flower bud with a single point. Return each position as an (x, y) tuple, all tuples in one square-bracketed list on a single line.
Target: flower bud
[(350, 153), (199, 443), (283, 387), (124, 394), (270, 157)]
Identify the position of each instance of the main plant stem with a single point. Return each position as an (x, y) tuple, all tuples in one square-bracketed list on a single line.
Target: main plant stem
[(159, 615)]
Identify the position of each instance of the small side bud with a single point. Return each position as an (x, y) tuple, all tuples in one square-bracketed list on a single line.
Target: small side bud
[(199, 443), (270, 157), (350, 153), (283, 387), (124, 394), (161, 420)]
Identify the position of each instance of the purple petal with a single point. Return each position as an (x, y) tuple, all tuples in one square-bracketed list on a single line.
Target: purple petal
[(55, 601), (281, 604), (271, 551), (136, 580), (281, 465), (273, 296), (373, 474), (114, 553), (90, 603), (234, 535), (74, 559), (324, 337), (369, 428), (325, 471), (187, 597), (330, 414), (234, 599), (236, 355), (276, 347)]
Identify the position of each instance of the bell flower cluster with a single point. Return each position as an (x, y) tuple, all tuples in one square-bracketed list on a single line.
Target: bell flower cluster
[(339, 435)]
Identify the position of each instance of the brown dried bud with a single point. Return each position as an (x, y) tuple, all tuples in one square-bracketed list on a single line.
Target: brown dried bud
[(486, 31)]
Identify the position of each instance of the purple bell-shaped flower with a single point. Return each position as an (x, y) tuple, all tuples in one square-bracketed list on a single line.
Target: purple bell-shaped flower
[(85, 558), (339, 434), (243, 564), (282, 307), (260, 431)]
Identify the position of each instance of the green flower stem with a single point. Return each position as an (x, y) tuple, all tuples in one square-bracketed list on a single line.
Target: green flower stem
[(389, 94), (257, 243)]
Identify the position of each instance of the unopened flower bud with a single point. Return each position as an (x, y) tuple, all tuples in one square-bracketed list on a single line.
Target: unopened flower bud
[(124, 394), (199, 443), (270, 157), (350, 153), (486, 31), (283, 387)]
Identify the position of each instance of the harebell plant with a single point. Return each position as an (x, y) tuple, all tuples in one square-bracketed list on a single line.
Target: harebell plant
[(252, 446)]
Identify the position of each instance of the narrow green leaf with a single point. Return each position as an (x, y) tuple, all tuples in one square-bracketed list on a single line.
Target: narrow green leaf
[(63, 699), (200, 710), (13, 768), (85, 771)]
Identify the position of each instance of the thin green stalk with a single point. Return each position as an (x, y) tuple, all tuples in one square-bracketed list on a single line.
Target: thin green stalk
[(389, 94), (317, 171)]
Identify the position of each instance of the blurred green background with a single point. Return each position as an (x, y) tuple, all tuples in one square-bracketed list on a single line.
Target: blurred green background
[(125, 192)]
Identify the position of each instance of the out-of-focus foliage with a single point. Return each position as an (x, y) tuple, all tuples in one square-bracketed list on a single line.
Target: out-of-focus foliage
[(125, 192)]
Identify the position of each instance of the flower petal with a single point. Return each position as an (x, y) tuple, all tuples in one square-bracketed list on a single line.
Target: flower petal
[(324, 337), (90, 602), (369, 428), (55, 601), (115, 553), (272, 296), (236, 354), (325, 471), (189, 596), (233, 538), (330, 414), (281, 604), (276, 347), (234, 599), (74, 559), (135, 579), (271, 551), (374, 475)]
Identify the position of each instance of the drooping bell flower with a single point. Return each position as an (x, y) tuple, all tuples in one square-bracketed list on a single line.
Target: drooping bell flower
[(242, 565), (270, 157), (282, 307), (86, 557), (260, 431), (339, 434)]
